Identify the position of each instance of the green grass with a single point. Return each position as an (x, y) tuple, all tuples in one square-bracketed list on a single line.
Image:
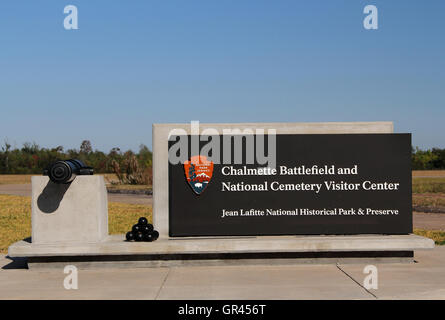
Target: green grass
[(15, 218), (437, 235), (122, 216), (428, 185)]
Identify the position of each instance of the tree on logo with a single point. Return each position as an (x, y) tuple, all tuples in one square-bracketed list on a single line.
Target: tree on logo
[(192, 172)]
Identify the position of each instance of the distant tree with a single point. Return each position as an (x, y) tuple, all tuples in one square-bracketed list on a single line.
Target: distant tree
[(439, 158), (5, 150), (30, 148), (144, 156), (57, 149), (86, 147), (424, 159), (114, 152)]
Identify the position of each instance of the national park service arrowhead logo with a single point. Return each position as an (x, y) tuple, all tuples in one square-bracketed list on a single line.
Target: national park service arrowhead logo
[(198, 171)]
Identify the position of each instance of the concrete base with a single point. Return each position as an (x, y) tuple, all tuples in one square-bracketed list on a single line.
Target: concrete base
[(74, 212), (114, 251)]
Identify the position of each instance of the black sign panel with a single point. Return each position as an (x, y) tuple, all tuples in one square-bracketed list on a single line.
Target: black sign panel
[(323, 184)]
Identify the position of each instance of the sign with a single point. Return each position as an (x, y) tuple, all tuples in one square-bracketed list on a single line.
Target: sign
[(321, 184)]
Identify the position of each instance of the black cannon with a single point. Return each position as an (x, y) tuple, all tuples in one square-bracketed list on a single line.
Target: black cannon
[(65, 171)]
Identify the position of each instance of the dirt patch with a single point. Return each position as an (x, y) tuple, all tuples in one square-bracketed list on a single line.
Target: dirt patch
[(428, 173), (127, 191)]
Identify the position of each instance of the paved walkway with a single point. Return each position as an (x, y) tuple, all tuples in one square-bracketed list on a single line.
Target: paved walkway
[(422, 280), (16, 189), (429, 221), (25, 190)]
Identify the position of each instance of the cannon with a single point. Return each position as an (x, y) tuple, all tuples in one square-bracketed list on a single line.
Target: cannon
[(65, 171)]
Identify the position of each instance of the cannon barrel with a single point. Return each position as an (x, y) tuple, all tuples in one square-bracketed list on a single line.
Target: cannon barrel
[(65, 171)]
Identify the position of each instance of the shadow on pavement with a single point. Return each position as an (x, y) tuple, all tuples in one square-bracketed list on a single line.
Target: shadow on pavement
[(16, 263)]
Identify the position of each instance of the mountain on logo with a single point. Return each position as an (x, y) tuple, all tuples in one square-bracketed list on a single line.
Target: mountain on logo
[(198, 172), (203, 176)]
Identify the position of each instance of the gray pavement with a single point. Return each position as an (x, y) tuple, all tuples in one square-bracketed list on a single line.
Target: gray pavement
[(429, 221), (422, 280), (25, 191)]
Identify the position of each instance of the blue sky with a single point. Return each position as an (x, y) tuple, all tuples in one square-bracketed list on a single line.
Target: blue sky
[(134, 63)]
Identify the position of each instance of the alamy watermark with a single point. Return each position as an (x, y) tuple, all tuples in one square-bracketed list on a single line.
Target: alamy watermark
[(371, 281), (371, 21), (71, 281), (238, 146), (71, 21)]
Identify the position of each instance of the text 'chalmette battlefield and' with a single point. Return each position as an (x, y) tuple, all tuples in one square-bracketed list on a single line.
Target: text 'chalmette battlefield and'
[(289, 171)]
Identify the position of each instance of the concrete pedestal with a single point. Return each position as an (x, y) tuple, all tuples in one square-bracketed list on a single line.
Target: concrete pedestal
[(67, 213)]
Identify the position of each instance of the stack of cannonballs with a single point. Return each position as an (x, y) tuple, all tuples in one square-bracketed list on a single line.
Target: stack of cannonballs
[(142, 231)]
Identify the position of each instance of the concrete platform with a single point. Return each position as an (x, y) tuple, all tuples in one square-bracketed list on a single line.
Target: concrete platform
[(227, 251)]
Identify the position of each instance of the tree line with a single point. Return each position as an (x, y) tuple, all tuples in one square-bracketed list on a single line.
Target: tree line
[(430, 159), (131, 167), (32, 159)]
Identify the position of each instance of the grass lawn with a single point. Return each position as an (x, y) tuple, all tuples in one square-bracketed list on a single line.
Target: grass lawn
[(15, 218), (428, 185), (437, 235), (429, 199)]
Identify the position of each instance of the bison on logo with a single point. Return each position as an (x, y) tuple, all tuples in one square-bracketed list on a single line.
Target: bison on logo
[(198, 172)]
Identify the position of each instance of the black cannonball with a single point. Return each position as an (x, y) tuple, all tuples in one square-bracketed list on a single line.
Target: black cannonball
[(136, 228), (155, 235), (139, 236), (129, 236), (148, 237), (147, 228), (142, 221)]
